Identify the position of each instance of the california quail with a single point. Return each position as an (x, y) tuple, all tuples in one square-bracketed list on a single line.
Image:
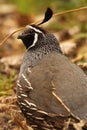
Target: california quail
[(49, 84)]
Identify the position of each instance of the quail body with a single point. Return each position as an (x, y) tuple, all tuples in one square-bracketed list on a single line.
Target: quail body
[(49, 84), (50, 87)]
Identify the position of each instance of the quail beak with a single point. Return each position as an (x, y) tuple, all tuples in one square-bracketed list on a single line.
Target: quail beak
[(23, 35), (19, 36)]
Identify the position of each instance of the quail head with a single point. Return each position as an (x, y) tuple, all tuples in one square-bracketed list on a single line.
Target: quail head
[(49, 84)]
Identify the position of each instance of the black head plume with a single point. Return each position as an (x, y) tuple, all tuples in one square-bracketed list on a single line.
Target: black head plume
[(48, 15)]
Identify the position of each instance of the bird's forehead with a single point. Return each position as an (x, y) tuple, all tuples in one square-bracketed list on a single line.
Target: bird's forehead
[(34, 28)]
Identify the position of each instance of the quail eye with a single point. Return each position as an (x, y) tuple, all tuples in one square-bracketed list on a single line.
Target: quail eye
[(31, 31)]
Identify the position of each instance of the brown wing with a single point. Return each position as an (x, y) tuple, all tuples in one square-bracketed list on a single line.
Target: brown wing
[(70, 85)]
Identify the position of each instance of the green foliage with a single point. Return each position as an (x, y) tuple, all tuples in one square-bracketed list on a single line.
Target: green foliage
[(69, 4), (37, 7), (6, 83), (33, 6)]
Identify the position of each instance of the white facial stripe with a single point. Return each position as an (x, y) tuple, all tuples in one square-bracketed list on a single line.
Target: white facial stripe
[(35, 40), (35, 29)]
